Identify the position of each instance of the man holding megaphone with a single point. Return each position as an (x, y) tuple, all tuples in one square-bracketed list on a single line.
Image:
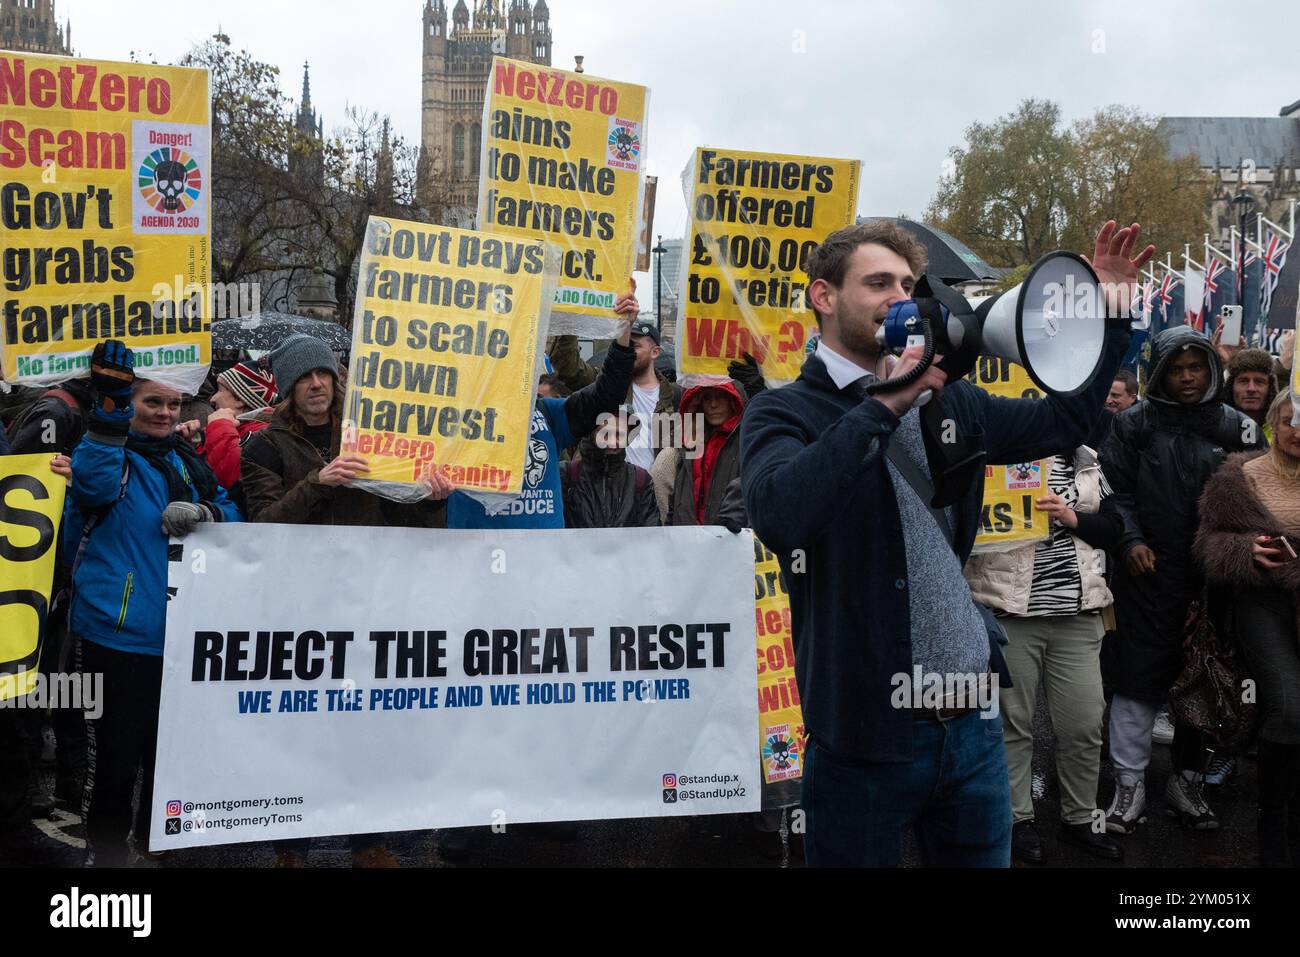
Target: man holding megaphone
[(872, 505)]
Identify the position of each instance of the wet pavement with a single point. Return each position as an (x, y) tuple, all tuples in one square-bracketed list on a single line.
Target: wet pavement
[(734, 840)]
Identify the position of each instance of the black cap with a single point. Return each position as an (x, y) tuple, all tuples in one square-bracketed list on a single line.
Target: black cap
[(642, 328)]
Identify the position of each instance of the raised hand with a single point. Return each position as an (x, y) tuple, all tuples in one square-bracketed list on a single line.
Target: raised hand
[(1116, 266)]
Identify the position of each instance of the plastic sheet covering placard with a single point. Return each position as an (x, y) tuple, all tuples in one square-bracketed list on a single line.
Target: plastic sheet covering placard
[(443, 372), (562, 159), (753, 219)]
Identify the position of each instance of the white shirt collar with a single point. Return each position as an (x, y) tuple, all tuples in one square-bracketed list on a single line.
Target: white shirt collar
[(843, 372)]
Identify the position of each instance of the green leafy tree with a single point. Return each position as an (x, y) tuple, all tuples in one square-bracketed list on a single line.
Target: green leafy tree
[(1026, 184)]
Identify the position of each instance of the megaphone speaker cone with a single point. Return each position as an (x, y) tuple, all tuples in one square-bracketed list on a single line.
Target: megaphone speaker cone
[(1053, 324)]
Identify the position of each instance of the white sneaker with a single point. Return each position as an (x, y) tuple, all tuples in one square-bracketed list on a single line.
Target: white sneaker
[(1185, 800), (1163, 733), (1127, 808)]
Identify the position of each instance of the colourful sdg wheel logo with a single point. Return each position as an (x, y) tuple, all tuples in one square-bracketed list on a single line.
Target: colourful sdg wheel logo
[(624, 144), (780, 752), (170, 180)]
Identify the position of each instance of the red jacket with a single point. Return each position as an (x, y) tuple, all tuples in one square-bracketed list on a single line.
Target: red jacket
[(222, 440)]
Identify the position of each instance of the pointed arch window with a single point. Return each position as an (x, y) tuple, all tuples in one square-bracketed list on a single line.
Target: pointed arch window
[(476, 139), (458, 149)]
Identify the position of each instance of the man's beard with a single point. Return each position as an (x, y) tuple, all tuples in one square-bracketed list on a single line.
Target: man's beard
[(858, 334), (639, 368)]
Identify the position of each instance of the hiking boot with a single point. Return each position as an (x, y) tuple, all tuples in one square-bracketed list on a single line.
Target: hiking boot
[(374, 857), (1026, 845), (1083, 836), (1185, 800), (1127, 808), (289, 859), (1163, 732)]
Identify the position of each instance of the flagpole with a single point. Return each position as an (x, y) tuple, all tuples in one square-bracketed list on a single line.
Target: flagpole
[(1278, 229), (1212, 253)]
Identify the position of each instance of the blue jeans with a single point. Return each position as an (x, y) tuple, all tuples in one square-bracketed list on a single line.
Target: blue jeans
[(955, 793)]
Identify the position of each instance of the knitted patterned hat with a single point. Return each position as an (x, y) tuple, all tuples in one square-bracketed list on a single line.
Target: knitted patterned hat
[(251, 386)]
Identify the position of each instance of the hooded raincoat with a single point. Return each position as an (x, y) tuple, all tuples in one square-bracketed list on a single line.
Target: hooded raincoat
[(1157, 460)]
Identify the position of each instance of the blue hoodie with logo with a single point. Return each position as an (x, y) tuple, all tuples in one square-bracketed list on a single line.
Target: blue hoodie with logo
[(556, 424)]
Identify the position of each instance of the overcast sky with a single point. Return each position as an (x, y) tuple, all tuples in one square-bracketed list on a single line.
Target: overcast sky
[(893, 84)]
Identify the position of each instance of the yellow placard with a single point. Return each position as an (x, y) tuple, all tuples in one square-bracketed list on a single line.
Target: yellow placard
[(1295, 366), (444, 346), (754, 219), (105, 197), (781, 733), (31, 505), (1008, 516), (562, 160)]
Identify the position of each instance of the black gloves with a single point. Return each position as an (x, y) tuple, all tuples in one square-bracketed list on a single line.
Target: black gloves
[(748, 374), (112, 373)]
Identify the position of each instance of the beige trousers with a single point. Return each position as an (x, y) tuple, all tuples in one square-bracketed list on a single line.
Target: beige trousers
[(1062, 654)]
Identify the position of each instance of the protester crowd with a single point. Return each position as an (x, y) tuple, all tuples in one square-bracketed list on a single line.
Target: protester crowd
[(1174, 506)]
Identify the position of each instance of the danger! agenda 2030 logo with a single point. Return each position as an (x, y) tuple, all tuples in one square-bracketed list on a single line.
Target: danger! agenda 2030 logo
[(170, 180), (623, 144)]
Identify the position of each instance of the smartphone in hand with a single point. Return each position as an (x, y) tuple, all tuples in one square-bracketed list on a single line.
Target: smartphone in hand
[(1230, 323), (1280, 543)]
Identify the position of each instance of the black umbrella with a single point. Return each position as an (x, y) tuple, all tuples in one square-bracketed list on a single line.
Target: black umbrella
[(267, 330), (950, 259)]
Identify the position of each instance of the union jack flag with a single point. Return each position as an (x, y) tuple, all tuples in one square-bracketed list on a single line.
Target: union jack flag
[(1274, 259), (1217, 269), (1167, 286)]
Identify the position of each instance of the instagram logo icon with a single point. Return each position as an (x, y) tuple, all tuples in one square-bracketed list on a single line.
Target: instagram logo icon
[(670, 780), (173, 808)]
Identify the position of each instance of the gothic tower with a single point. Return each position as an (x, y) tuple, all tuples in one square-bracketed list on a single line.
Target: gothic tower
[(306, 158), (31, 26), (457, 61)]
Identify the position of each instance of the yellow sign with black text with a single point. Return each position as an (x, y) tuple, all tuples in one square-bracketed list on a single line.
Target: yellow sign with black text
[(754, 220), (1008, 517), (561, 159), (780, 718), (106, 186), (444, 351), (31, 505)]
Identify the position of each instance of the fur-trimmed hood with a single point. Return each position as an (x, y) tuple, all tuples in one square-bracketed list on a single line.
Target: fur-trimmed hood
[(1231, 516)]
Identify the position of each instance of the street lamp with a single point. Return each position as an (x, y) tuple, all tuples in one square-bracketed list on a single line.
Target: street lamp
[(659, 251), (1244, 204)]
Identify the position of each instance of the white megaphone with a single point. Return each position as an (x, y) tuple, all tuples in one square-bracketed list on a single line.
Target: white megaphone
[(1053, 324)]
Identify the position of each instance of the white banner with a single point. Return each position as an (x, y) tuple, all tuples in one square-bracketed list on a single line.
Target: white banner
[(335, 680)]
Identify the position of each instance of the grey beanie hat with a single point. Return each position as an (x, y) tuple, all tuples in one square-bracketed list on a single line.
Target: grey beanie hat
[(295, 357)]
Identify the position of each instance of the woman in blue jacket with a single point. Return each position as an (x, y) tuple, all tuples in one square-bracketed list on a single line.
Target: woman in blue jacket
[(135, 483)]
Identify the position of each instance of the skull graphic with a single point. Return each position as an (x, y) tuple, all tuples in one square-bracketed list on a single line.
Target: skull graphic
[(169, 177), (535, 466)]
